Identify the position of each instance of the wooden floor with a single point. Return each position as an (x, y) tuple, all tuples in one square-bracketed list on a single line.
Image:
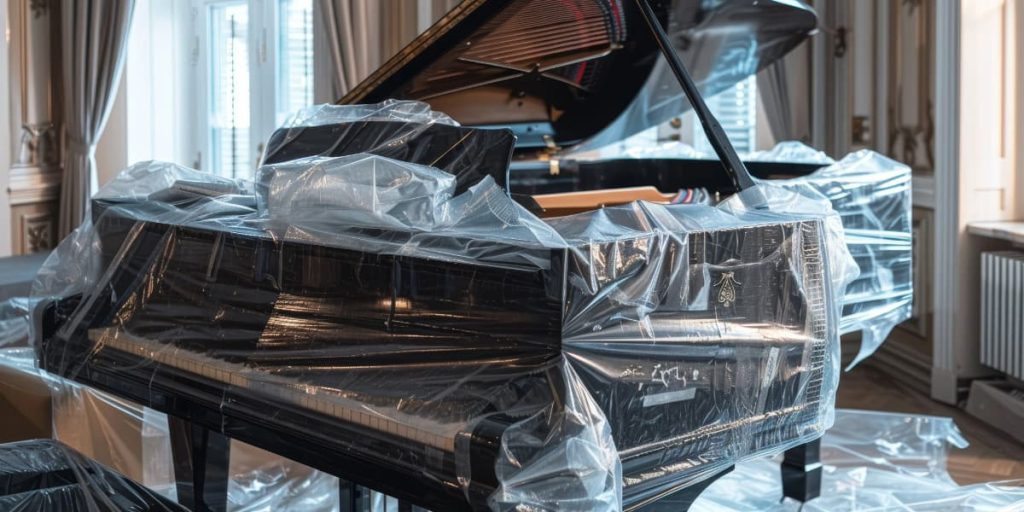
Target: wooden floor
[(992, 454)]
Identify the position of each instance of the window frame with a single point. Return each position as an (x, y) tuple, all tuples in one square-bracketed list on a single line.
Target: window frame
[(263, 40)]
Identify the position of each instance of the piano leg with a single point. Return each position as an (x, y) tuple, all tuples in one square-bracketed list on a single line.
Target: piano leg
[(801, 471), (352, 497), (200, 465)]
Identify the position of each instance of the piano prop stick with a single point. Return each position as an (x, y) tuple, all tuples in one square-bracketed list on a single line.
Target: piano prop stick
[(712, 128)]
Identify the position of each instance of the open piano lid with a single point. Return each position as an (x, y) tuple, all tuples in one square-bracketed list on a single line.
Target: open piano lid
[(582, 73)]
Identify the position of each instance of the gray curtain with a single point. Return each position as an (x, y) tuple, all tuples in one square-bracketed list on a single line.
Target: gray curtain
[(773, 88), (348, 44), (352, 38), (93, 39)]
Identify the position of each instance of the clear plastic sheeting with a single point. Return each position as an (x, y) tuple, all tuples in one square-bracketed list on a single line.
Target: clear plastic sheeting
[(391, 110), (401, 130), (134, 441), (872, 461), (872, 195), (263, 482), (123, 436), (348, 200), (793, 152), (14, 322), (363, 315), (45, 475)]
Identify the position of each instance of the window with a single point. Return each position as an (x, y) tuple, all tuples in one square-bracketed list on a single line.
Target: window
[(736, 110), (229, 88), (256, 68), (294, 57)]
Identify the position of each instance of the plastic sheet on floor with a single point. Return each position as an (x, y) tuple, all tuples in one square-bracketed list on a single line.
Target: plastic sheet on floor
[(872, 461)]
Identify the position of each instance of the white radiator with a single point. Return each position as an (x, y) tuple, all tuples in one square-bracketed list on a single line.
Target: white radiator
[(1002, 312)]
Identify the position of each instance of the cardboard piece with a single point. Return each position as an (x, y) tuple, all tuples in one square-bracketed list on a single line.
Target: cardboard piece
[(25, 404), (37, 405)]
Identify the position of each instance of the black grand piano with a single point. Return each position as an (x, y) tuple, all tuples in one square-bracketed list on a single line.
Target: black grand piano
[(485, 359)]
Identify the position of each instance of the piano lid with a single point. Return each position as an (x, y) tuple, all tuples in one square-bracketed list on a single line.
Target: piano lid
[(582, 73)]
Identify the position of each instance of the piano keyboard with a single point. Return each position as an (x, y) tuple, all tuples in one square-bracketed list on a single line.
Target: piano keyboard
[(420, 429)]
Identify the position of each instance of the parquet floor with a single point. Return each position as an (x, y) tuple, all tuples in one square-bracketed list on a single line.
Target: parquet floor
[(992, 454)]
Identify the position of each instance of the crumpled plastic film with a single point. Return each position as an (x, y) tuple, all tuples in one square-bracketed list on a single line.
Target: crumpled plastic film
[(14, 321), (45, 475), (791, 151), (121, 436), (348, 200), (261, 481), (364, 308), (872, 461), (134, 441), (402, 130), (872, 195), (416, 112)]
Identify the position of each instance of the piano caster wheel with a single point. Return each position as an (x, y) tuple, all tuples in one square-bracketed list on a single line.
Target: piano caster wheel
[(200, 465), (802, 471)]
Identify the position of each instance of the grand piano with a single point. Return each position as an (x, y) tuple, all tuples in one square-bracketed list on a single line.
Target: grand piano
[(473, 348)]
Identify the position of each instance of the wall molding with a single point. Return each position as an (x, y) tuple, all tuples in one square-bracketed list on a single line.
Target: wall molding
[(944, 386), (923, 188), (33, 184)]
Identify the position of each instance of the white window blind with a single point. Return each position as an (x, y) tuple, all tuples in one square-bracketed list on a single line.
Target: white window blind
[(258, 69), (736, 110), (228, 90), (294, 57)]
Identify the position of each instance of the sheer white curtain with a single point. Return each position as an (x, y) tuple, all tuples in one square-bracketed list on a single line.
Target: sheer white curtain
[(93, 40)]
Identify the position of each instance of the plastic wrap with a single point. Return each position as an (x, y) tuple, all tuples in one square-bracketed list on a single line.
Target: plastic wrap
[(135, 442), (121, 435), (14, 321), (261, 481), (793, 152), (872, 195), (45, 475), (363, 312), (402, 130), (872, 461)]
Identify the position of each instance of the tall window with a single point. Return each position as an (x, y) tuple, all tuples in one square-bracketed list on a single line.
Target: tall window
[(736, 110), (294, 57), (257, 68), (229, 88)]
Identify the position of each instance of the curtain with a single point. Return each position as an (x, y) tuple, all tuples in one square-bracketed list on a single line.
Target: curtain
[(349, 44), (773, 87), (352, 38), (93, 40)]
